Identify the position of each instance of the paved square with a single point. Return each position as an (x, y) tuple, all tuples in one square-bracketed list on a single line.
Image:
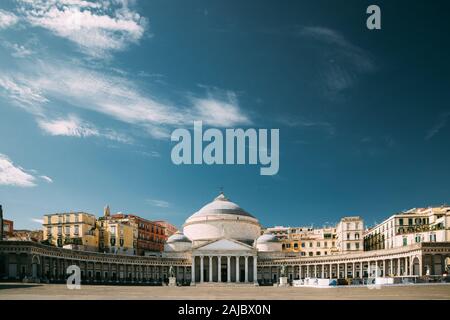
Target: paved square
[(18, 291)]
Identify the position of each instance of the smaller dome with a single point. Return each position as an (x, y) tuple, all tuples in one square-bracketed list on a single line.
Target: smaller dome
[(267, 237), (178, 237)]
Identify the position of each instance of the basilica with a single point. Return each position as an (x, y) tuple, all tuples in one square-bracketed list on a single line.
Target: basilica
[(223, 241)]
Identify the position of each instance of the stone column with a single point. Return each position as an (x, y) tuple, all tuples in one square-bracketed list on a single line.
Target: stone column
[(353, 270), (330, 271), (246, 269), (210, 269), (384, 268), (228, 269), (345, 270), (361, 270), (201, 268), (315, 271), (237, 268), (193, 271), (255, 269), (391, 266), (307, 271), (219, 269), (323, 271)]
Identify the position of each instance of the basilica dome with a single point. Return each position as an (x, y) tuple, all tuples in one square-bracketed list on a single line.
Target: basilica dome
[(177, 242), (222, 218), (268, 243)]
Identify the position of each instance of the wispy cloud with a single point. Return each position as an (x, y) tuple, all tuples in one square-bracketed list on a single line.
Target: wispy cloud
[(13, 175), (305, 123), (159, 203), (96, 27), (218, 112), (73, 126), (7, 19), (342, 61), (440, 124), (47, 179), (37, 220), (114, 96)]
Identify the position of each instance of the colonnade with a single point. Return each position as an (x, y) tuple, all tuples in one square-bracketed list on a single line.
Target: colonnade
[(224, 268)]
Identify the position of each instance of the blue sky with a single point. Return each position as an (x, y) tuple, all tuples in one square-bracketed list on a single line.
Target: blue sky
[(90, 92)]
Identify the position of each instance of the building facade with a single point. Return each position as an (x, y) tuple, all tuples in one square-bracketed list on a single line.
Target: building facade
[(412, 226), (8, 228), (72, 229)]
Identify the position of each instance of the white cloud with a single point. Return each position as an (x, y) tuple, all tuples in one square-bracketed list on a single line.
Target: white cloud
[(18, 90), (441, 123), (47, 179), (36, 220), (96, 27), (220, 113), (72, 126), (12, 175), (342, 62), (159, 203), (114, 96), (7, 19)]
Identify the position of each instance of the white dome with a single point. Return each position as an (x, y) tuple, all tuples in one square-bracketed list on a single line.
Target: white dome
[(222, 218), (268, 243), (178, 237), (177, 242), (267, 237), (221, 205)]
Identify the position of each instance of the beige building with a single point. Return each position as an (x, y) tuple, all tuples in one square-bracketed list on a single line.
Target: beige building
[(412, 226), (349, 234), (72, 230), (311, 242), (116, 237)]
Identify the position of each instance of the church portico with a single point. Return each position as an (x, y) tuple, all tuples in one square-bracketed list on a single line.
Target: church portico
[(224, 260)]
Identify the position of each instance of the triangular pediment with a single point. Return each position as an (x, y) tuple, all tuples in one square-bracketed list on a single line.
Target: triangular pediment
[(225, 245)]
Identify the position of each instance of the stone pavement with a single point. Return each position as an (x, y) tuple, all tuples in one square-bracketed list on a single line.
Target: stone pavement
[(19, 291)]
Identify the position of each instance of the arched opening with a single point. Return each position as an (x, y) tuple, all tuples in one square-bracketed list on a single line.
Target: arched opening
[(416, 267)]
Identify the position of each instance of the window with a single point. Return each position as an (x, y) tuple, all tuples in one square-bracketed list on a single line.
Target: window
[(348, 246), (318, 253), (76, 229), (410, 222), (310, 244), (76, 217), (59, 229), (318, 244), (400, 221), (295, 245), (310, 254), (60, 219), (68, 218), (357, 245), (325, 244), (303, 244), (405, 241), (348, 236), (417, 239), (357, 236)]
